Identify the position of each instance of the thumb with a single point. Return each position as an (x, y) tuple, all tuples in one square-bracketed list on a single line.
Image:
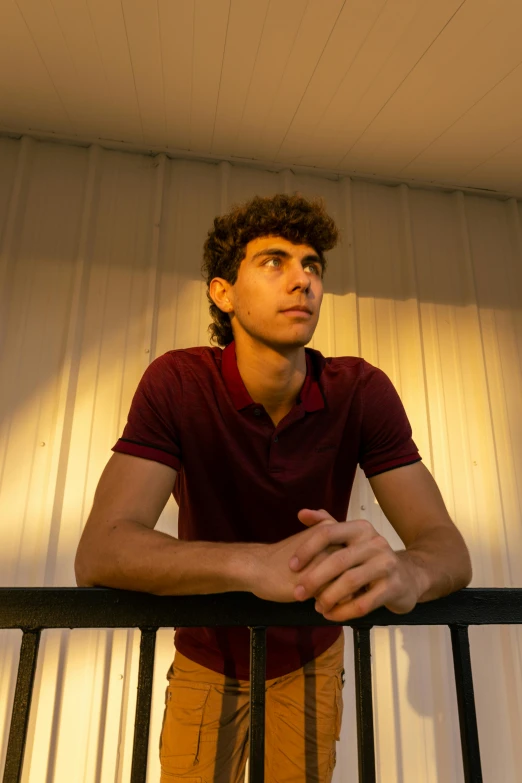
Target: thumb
[(311, 517)]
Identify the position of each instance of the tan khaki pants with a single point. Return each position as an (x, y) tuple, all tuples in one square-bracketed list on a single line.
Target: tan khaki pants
[(204, 738)]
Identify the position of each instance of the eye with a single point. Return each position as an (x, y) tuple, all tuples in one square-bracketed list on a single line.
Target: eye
[(315, 267)]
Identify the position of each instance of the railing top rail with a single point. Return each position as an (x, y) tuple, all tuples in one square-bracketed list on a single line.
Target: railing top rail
[(99, 607)]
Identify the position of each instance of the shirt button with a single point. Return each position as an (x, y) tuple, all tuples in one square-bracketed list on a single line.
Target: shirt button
[(276, 439), (257, 412)]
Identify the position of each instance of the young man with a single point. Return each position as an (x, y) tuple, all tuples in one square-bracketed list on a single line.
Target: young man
[(259, 444)]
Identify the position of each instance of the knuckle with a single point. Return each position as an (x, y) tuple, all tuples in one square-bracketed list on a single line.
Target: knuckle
[(390, 565), (381, 543), (336, 548), (338, 558), (324, 595), (360, 606), (346, 556), (380, 548), (323, 536), (350, 586), (306, 581), (349, 582)]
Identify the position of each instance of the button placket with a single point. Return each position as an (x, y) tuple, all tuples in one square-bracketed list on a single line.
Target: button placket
[(273, 460)]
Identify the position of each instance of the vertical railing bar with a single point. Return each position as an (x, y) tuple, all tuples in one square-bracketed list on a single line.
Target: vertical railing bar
[(364, 704), (21, 706), (143, 702), (256, 764), (466, 704)]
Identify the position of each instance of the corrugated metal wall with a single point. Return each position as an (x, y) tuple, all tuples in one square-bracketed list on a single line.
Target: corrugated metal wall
[(100, 255)]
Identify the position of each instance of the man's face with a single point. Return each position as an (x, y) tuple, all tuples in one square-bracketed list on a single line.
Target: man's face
[(270, 282)]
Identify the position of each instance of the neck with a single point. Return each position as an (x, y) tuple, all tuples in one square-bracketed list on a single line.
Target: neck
[(272, 377)]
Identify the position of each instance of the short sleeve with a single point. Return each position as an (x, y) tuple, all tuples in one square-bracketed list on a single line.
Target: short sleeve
[(154, 421), (386, 437)]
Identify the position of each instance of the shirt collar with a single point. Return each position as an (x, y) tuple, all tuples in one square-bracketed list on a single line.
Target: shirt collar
[(310, 395)]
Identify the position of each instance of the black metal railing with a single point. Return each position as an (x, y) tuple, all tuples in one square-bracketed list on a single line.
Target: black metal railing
[(35, 609)]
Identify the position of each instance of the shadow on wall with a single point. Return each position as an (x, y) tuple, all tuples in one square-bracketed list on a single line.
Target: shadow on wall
[(82, 307), (81, 254)]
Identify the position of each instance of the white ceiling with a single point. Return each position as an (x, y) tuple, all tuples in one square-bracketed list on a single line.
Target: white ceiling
[(421, 91)]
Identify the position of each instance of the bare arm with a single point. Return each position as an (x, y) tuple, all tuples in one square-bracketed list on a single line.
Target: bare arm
[(435, 548), (119, 547)]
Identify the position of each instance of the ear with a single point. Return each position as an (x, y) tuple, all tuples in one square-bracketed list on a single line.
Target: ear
[(218, 289), (310, 517)]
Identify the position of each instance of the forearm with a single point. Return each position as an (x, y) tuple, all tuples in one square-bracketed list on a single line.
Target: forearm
[(134, 557), (440, 564)]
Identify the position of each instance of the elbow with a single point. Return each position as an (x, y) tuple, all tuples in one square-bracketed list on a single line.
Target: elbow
[(469, 575), (467, 570), (81, 570), (81, 581)]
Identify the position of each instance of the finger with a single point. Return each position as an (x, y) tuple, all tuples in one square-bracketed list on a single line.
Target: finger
[(293, 562), (324, 570), (325, 534), (311, 517), (350, 583), (360, 605), (345, 600), (318, 574), (318, 559)]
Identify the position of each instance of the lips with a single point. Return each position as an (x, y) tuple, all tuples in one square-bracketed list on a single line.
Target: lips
[(304, 310), (302, 315)]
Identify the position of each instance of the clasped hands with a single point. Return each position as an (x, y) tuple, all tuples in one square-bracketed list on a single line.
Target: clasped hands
[(356, 570)]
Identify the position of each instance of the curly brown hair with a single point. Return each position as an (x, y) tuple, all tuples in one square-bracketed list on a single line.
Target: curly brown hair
[(295, 218)]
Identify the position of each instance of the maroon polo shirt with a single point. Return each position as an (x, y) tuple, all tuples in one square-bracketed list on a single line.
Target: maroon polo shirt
[(240, 479)]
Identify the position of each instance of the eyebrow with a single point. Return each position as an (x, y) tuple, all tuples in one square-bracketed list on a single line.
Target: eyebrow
[(276, 251)]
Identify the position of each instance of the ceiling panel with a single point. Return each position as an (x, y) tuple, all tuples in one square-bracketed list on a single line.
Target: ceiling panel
[(493, 122), (410, 90), (345, 79), (210, 34), (123, 112), (28, 96), (455, 72), (237, 67), (176, 21), (74, 74), (144, 41), (281, 28), (502, 171), (324, 43), (350, 117)]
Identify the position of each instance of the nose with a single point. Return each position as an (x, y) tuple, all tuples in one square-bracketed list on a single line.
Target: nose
[(298, 277)]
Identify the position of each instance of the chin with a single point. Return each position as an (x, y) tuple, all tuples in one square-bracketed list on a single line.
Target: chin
[(296, 341), (281, 340)]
